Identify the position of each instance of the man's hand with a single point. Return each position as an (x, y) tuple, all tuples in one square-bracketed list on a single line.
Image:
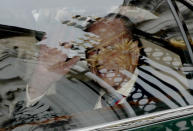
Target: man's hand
[(52, 65)]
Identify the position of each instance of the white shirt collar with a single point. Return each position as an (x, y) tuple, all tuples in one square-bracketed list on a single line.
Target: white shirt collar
[(127, 87)]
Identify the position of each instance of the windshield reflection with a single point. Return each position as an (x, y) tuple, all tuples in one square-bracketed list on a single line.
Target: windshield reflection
[(90, 70)]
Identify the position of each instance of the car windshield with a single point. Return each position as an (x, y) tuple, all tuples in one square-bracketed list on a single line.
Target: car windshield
[(75, 64)]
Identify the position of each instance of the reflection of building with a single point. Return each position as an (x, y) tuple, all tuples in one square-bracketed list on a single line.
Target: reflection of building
[(16, 45)]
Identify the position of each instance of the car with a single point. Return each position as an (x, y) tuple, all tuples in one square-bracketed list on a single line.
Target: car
[(96, 65)]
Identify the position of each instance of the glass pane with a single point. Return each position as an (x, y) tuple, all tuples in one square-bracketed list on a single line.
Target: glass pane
[(68, 65)]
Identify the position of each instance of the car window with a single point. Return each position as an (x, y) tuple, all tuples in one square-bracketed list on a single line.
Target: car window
[(72, 65)]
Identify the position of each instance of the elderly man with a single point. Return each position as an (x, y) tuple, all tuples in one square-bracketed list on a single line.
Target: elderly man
[(119, 62), (140, 73)]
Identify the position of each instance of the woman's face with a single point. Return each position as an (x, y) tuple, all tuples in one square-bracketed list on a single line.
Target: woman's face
[(115, 52)]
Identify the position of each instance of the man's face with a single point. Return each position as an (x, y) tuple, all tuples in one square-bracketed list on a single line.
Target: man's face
[(115, 52), (110, 29)]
